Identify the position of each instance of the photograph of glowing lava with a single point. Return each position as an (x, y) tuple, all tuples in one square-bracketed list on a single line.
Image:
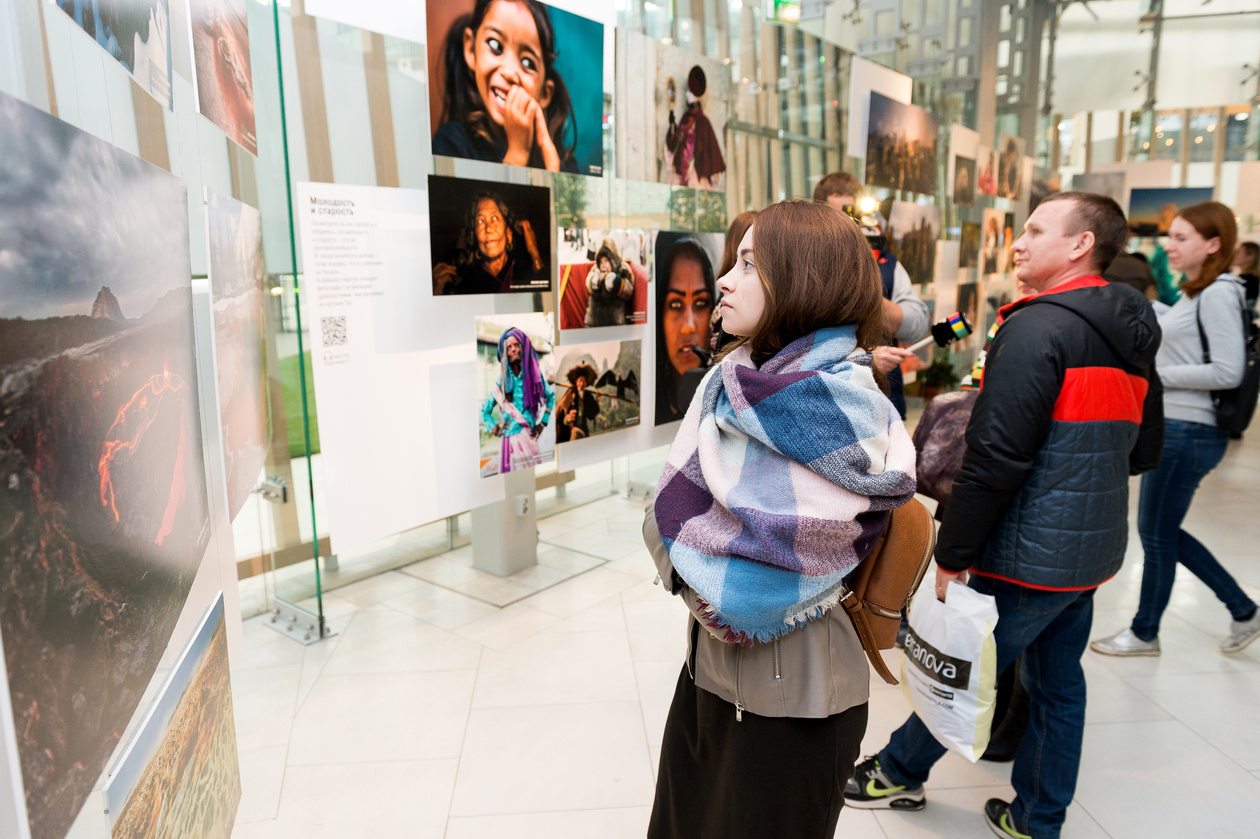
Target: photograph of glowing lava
[(103, 517), (180, 775)]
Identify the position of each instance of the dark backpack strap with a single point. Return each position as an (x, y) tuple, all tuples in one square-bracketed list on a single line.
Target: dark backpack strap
[(1203, 341)]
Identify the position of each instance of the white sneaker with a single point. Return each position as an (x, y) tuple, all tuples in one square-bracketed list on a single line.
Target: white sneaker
[(1241, 633), (1125, 642)]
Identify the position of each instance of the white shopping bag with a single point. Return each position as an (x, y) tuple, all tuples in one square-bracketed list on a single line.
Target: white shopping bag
[(950, 667)]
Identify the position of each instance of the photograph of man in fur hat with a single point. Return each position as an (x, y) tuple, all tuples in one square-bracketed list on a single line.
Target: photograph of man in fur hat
[(603, 277)]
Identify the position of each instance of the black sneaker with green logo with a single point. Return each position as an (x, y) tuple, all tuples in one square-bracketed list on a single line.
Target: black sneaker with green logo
[(870, 789), (997, 814)]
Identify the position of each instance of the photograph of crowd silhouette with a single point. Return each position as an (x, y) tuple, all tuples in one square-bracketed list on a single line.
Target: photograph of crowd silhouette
[(105, 511), (901, 146), (912, 233), (1152, 210)]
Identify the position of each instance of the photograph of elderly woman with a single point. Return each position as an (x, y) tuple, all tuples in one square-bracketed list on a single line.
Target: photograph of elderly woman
[(489, 238), (516, 82), (515, 365), (686, 296)]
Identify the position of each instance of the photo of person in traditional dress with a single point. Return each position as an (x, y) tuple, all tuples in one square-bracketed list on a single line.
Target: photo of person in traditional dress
[(492, 247), (518, 409), (579, 405), (695, 153), (503, 94), (598, 388)]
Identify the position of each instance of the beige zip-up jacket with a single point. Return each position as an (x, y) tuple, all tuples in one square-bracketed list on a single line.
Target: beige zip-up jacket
[(815, 671)]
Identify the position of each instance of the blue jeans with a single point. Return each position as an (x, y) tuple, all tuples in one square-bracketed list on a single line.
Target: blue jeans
[(1191, 450), (1050, 629)]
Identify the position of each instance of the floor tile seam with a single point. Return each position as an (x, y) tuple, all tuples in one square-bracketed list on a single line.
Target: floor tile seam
[(1190, 729), (522, 598), (463, 740), (566, 704), (588, 553), (300, 702), (450, 629), (552, 812), (638, 691), (382, 762), (1092, 817), (401, 672)]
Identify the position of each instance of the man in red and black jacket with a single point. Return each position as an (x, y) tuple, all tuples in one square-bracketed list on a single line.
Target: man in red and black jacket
[(1069, 408)]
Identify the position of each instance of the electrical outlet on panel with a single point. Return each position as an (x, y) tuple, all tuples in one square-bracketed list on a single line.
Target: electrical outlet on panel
[(522, 504)]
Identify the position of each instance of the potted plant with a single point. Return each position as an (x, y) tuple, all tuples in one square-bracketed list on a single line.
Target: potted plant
[(938, 376)]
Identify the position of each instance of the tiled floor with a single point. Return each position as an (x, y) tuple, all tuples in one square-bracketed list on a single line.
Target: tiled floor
[(437, 714)]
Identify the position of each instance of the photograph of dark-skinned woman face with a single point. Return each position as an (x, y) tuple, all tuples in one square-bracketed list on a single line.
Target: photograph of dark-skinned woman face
[(686, 294), (489, 238)]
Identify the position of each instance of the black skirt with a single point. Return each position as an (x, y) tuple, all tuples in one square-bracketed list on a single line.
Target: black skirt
[(762, 777)]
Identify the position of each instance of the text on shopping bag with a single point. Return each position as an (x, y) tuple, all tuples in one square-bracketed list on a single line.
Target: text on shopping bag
[(955, 672)]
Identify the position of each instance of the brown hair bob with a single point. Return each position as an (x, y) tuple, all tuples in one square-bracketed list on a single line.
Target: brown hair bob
[(735, 235), (838, 183), (1212, 220), (817, 271)]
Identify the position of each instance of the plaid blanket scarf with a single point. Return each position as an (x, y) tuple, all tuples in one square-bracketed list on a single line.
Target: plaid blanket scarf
[(780, 482)]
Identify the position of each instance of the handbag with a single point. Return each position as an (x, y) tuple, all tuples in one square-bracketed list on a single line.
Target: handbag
[(1236, 406), (879, 588)]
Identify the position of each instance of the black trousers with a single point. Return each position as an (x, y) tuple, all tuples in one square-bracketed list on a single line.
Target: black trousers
[(763, 777)]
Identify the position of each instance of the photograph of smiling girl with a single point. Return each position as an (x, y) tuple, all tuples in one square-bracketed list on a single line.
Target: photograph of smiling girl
[(489, 238), (686, 294), (516, 82)]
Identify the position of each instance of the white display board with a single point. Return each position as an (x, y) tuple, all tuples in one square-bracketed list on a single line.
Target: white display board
[(394, 367), (1140, 175), (865, 77), (388, 17)]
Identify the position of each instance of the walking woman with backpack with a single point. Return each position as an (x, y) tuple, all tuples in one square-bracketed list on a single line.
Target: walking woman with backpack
[(784, 474), (1202, 351)]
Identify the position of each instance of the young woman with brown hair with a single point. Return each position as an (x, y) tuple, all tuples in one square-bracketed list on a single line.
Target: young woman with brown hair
[(1201, 244), (787, 465)]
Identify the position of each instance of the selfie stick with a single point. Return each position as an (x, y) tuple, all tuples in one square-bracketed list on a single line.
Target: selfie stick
[(954, 328)]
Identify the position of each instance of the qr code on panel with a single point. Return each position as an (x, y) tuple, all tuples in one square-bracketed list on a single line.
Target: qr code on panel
[(334, 330)]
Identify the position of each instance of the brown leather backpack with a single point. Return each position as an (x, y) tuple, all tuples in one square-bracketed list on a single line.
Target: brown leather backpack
[(881, 586)]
